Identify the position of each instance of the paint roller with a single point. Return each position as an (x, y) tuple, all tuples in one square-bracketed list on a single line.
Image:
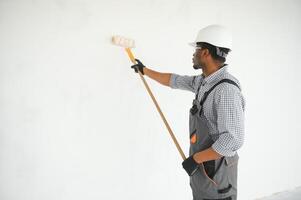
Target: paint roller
[(127, 44)]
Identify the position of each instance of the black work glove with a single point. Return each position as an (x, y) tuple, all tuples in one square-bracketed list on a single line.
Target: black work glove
[(190, 165), (139, 66)]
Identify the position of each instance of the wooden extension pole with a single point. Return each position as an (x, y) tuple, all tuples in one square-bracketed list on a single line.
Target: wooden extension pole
[(131, 56)]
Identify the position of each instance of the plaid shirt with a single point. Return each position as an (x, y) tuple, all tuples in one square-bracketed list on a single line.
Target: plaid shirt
[(224, 108)]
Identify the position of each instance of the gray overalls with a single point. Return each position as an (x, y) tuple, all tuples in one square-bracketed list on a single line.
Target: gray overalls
[(216, 179)]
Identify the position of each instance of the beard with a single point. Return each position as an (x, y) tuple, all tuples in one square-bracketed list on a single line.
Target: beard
[(197, 63), (196, 67)]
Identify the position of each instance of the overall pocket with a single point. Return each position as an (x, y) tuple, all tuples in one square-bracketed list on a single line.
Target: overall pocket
[(227, 175), (218, 185), (232, 163), (211, 168), (222, 173)]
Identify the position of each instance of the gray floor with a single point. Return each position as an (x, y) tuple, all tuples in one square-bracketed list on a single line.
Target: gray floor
[(287, 195)]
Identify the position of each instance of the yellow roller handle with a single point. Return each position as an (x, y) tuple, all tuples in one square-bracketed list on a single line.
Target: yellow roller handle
[(131, 56)]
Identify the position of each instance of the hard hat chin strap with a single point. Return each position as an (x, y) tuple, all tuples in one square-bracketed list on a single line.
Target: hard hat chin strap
[(220, 53)]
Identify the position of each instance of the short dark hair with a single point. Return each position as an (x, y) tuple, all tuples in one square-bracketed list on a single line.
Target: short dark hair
[(213, 51)]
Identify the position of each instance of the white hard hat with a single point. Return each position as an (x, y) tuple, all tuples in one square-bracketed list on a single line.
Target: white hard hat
[(215, 35)]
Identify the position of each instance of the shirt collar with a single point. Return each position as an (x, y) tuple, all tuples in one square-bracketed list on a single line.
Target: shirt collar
[(212, 77)]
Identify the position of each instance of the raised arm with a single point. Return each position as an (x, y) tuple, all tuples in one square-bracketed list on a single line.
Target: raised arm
[(174, 81)]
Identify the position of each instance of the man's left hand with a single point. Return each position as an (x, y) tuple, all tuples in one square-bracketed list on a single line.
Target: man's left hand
[(190, 165)]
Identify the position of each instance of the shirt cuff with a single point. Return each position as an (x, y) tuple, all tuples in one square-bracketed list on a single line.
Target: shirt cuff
[(172, 81), (222, 150)]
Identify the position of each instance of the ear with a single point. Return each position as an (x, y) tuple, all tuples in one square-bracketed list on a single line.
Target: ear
[(206, 52)]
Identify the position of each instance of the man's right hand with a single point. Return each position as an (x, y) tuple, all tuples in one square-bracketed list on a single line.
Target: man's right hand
[(139, 66)]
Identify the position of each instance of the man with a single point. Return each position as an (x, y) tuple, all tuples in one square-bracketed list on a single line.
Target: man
[(216, 121)]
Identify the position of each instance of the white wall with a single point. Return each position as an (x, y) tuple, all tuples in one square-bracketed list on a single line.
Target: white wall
[(77, 123)]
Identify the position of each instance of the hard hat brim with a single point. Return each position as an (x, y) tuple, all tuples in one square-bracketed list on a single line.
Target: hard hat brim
[(193, 44)]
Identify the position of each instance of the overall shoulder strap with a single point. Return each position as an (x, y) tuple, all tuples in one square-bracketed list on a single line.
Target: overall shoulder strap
[(212, 88)]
